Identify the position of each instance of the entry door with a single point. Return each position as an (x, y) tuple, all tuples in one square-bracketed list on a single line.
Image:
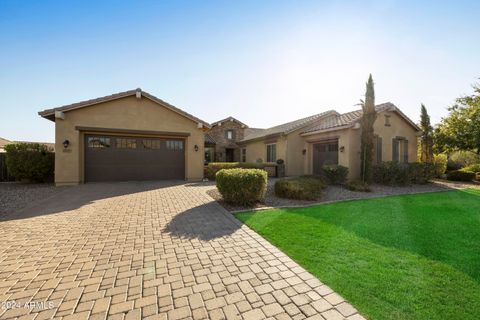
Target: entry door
[(126, 158), (324, 154)]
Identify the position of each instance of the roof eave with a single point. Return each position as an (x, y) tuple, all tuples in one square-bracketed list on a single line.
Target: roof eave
[(311, 133)]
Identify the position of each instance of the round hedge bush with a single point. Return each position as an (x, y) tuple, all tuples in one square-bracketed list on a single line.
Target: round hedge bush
[(242, 186)]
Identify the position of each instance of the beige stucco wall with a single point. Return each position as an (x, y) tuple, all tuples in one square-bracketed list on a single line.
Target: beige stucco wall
[(398, 128), (127, 113), (290, 147), (258, 149)]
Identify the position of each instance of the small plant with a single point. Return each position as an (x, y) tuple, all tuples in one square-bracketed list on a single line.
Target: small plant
[(358, 185), (242, 186), (460, 175), (33, 162), (335, 174), (302, 188)]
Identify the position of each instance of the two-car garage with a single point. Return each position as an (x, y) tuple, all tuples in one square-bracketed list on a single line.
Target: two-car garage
[(127, 136), (127, 158)]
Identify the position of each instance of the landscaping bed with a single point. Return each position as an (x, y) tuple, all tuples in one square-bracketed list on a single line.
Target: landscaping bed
[(337, 193), (14, 195)]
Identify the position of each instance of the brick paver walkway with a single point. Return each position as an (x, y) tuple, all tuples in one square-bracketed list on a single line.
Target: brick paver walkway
[(149, 250)]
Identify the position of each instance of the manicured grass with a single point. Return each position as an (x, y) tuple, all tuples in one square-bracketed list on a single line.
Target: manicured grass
[(400, 257)]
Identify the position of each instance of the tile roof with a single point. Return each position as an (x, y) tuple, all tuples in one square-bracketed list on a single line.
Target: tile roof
[(286, 127), (50, 113), (350, 118)]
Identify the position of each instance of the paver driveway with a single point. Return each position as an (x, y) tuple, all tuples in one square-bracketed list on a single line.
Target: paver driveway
[(158, 249)]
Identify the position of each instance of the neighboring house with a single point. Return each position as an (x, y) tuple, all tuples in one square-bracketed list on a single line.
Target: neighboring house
[(130, 135), (222, 138), (331, 138), (4, 142)]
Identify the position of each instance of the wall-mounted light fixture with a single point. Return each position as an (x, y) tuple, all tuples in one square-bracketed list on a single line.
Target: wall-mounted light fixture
[(195, 148), (66, 143), (304, 151), (342, 148)]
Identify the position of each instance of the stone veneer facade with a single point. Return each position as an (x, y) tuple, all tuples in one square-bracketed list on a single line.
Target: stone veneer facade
[(219, 133)]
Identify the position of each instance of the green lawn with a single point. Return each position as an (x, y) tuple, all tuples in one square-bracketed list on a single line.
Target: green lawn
[(400, 257)]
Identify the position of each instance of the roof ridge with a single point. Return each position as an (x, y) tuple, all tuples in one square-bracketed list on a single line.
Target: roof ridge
[(85, 103)]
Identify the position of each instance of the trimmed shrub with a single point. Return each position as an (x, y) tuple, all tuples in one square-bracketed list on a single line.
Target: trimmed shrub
[(335, 174), (421, 173), (242, 186), (440, 162), (473, 167), (212, 168), (461, 159), (32, 162), (358, 185), (460, 175), (302, 188), (477, 177), (394, 173), (391, 173)]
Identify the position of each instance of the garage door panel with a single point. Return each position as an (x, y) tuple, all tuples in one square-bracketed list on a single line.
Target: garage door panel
[(109, 158)]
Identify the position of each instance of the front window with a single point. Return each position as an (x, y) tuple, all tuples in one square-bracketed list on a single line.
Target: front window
[(244, 155), (400, 150), (387, 120), (271, 152), (229, 134), (209, 154)]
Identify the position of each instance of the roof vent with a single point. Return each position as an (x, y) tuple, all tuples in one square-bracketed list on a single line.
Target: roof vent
[(138, 93)]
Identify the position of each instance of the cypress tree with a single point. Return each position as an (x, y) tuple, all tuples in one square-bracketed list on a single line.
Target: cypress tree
[(426, 140), (367, 138)]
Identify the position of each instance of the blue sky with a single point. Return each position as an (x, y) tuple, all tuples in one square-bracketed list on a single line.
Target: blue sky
[(264, 62)]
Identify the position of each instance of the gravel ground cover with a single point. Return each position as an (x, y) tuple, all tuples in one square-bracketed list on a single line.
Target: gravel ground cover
[(338, 193), (15, 196)]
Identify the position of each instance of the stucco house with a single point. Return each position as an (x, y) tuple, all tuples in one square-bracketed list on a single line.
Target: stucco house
[(130, 135), (330, 138), (134, 135)]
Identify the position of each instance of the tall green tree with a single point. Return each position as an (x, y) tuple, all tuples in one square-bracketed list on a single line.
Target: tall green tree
[(367, 138), (460, 130), (426, 140)]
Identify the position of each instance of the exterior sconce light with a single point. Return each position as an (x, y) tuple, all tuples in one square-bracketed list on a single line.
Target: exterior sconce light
[(195, 148), (304, 151), (342, 148), (66, 143)]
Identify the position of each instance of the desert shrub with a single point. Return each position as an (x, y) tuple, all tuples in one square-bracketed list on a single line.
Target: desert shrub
[(302, 188), (335, 174), (461, 159), (242, 186), (212, 168), (358, 185), (440, 162), (473, 167), (460, 175), (33, 162)]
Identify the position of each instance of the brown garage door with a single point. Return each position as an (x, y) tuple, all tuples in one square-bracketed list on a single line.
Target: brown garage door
[(115, 158), (324, 154)]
